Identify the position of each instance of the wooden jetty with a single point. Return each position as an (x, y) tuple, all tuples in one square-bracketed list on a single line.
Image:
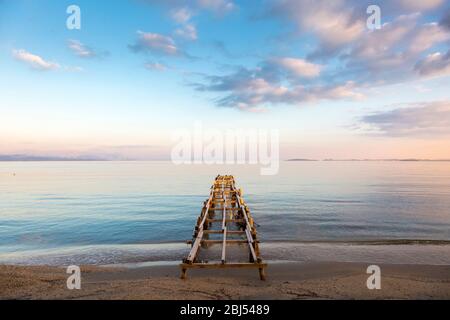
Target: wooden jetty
[(224, 213)]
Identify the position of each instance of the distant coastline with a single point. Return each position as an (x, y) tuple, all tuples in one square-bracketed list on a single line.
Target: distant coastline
[(25, 158), (20, 157), (403, 160)]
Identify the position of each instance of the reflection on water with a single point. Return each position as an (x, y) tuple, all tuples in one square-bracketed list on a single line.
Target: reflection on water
[(57, 205)]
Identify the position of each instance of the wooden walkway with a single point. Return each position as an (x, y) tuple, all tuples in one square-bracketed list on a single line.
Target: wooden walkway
[(224, 213)]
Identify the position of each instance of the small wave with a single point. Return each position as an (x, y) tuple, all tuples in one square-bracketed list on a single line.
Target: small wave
[(368, 242), (374, 251)]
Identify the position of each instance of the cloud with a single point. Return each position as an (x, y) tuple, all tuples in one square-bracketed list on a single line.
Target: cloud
[(390, 54), (298, 67), (381, 43), (427, 35), (334, 23), (382, 54), (156, 66), (181, 15), (84, 51), (418, 5), (344, 55), (80, 49), (426, 119), (155, 43), (34, 61), (249, 89), (188, 32), (340, 27), (217, 6), (445, 20), (435, 64)]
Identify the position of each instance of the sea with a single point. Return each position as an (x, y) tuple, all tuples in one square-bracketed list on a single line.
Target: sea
[(142, 212)]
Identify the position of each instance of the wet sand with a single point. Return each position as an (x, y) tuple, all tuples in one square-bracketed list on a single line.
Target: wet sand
[(322, 280)]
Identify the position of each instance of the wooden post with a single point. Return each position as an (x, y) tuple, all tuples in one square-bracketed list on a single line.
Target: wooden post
[(262, 274), (183, 273)]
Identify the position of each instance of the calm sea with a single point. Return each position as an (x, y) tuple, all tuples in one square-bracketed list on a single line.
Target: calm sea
[(122, 212)]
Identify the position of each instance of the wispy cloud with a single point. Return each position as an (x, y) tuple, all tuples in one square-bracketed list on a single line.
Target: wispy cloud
[(297, 67), (187, 31), (418, 5), (181, 15), (334, 23), (435, 64), (84, 51), (34, 61), (426, 119), (217, 7), (155, 43), (156, 66), (38, 63), (445, 20), (80, 49)]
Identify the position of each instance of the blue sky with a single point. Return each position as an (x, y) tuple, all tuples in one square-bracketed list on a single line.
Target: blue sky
[(139, 69)]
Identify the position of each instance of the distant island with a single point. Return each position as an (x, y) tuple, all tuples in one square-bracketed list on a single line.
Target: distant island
[(406, 160)]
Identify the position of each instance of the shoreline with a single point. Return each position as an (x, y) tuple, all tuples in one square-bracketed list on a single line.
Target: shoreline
[(376, 252), (285, 280)]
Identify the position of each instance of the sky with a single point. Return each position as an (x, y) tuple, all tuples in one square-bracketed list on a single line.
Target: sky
[(138, 70)]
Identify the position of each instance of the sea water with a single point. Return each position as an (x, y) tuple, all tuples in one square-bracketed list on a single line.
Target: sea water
[(120, 212)]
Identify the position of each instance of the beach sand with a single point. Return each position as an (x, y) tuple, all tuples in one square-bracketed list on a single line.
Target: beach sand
[(324, 280)]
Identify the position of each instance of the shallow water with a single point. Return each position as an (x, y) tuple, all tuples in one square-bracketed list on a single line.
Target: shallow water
[(103, 211)]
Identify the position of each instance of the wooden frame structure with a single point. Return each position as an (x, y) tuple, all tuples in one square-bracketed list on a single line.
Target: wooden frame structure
[(226, 207)]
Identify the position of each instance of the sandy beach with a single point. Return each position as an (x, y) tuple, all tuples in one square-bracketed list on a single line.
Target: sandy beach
[(324, 280)]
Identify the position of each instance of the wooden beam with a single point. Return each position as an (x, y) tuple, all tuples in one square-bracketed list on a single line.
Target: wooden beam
[(228, 220), (224, 245), (224, 228), (221, 231), (229, 241), (193, 254), (221, 265), (215, 209), (248, 229)]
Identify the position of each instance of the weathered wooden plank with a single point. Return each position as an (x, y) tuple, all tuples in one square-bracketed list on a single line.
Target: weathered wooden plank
[(250, 245), (224, 245), (248, 233), (193, 254)]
